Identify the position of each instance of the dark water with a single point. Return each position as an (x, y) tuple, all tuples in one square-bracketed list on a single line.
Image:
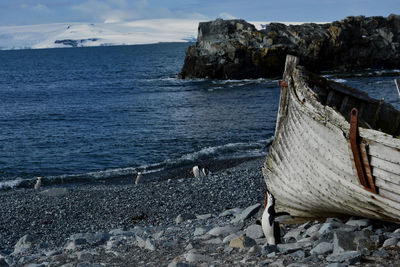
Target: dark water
[(103, 112)]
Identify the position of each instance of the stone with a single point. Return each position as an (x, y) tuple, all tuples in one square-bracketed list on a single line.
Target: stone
[(254, 250), (343, 241), (305, 226), (114, 242), (246, 213), (229, 238), (3, 263), (90, 238), (264, 263), (55, 192), (271, 255), (254, 231), (298, 255), (322, 248), (268, 249), (242, 242), (158, 235), (326, 228), (381, 253), (294, 234), (140, 242), (184, 217), (335, 264), (189, 246), (149, 245), (230, 212), (292, 247), (23, 244), (204, 216), (121, 231), (359, 222), (350, 257), (390, 242), (215, 241), (279, 263), (223, 230), (200, 231), (296, 264), (313, 229), (180, 264), (194, 257)]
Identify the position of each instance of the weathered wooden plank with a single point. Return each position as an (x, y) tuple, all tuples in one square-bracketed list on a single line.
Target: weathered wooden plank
[(384, 152), (389, 195), (385, 165), (387, 176), (383, 184)]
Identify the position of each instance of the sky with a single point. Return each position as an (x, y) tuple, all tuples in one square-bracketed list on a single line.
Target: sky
[(29, 12)]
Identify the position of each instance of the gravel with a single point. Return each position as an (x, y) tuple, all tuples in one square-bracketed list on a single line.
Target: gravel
[(91, 208)]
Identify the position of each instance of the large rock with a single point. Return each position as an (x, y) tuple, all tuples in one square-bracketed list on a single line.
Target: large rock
[(235, 49), (23, 244), (246, 213), (242, 242)]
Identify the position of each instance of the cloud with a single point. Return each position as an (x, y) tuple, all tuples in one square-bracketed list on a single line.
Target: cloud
[(225, 15), (35, 7), (112, 11)]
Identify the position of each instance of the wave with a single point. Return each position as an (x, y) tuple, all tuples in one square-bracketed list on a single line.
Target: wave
[(363, 73), (338, 80), (207, 154)]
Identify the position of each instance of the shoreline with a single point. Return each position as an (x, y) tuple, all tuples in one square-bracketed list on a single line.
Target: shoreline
[(184, 171), (99, 206)]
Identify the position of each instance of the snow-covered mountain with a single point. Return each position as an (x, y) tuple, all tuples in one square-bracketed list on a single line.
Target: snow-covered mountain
[(97, 34), (100, 34)]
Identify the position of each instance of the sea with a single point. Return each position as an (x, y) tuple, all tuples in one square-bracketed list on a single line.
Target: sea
[(83, 115)]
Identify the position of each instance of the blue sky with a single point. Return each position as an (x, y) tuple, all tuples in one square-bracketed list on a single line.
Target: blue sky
[(26, 12)]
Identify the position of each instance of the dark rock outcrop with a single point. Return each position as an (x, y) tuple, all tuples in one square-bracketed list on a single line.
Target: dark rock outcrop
[(75, 43), (235, 49)]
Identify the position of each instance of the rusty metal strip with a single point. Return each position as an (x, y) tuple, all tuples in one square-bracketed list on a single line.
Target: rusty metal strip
[(282, 84), (266, 197), (367, 168), (360, 155)]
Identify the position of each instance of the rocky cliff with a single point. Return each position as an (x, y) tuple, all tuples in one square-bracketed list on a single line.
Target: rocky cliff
[(235, 49)]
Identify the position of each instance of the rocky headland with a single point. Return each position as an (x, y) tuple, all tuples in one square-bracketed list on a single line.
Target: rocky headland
[(235, 49)]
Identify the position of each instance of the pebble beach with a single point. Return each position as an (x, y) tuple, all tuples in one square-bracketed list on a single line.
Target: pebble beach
[(207, 221)]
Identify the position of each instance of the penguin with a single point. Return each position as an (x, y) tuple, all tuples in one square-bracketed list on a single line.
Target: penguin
[(196, 171), (138, 177), (38, 183), (269, 225), (204, 172)]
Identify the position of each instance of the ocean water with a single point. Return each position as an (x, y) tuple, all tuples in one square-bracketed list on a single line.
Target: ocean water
[(106, 112)]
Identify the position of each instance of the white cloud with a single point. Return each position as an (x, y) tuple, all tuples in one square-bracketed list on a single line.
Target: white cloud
[(107, 11), (36, 7), (111, 11), (40, 7), (225, 15)]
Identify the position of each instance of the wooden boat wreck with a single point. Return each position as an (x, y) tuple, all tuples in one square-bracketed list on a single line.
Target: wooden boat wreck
[(336, 150)]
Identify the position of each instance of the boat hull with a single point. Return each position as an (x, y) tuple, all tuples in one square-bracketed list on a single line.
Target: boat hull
[(310, 167)]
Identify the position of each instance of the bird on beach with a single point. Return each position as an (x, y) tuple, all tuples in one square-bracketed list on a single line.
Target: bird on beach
[(196, 171), (269, 226), (138, 177), (38, 183), (204, 172)]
